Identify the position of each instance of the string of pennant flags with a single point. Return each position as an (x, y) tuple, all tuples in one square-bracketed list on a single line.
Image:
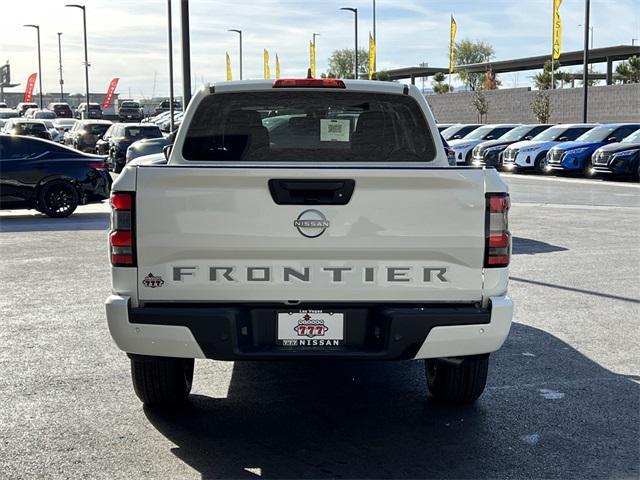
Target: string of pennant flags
[(555, 55)]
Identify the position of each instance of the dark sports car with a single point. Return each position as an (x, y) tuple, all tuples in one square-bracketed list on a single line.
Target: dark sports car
[(49, 177)]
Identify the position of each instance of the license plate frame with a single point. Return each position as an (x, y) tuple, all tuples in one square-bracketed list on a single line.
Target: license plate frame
[(310, 328)]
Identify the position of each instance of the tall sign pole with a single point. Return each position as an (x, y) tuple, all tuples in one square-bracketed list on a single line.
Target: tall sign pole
[(60, 66), (585, 66), (186, 53), (170, 66)]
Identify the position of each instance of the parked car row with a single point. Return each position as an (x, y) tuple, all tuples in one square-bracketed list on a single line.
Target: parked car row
[(588, 149)]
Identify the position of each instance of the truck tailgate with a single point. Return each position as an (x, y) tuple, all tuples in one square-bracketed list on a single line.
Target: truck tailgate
[(215, 234)]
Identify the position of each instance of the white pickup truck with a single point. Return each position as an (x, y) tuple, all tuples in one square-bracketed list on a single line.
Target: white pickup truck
[(308, 219)]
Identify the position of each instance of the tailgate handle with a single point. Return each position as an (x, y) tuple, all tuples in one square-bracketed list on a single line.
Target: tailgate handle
[(311, 192)]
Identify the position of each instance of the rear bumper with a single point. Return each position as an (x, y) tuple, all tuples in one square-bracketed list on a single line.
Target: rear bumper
[(247, 332)]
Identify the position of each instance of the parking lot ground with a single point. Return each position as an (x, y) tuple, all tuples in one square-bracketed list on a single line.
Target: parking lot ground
[(563, 399)]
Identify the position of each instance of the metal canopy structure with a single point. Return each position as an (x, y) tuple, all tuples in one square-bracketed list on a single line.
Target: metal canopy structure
[(606, 55)]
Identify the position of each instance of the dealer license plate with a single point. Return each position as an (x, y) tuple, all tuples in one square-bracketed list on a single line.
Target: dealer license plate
[(310, 328)]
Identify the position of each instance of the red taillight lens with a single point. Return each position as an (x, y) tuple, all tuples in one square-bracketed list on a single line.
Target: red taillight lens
[(497, 236), (121, 201), (121, 237), (99, 165), (309, 83)]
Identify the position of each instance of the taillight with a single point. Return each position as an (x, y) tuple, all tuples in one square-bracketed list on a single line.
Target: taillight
[(497, 236), (99, 165), (309, 83), (122, 236)]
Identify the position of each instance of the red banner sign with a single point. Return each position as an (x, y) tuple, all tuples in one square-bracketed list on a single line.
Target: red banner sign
[(28, 93), (112, 88)]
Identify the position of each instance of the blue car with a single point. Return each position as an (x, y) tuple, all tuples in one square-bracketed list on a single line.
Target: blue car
[(576, 156)]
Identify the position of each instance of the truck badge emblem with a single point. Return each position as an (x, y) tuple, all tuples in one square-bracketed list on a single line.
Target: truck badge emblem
[(152, 281), (311, 223)]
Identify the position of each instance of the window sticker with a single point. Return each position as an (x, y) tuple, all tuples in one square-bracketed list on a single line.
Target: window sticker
[(334, 130)]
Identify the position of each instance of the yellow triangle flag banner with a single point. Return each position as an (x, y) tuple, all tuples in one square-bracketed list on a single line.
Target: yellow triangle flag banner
[(372, 56), (277, 67), (312, 59), (557, 29), (229, 74), (267, 71), (452, 42)]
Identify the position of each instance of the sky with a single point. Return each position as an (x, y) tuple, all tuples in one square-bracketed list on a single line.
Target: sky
[(128, 38)]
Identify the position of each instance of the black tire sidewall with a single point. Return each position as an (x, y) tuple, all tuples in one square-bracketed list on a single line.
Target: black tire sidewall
[(49, 188)]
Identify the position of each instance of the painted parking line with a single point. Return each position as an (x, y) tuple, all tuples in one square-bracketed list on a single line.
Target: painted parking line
[(604, 183), (576, 206)]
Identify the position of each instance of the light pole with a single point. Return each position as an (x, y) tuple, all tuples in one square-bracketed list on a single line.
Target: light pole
[(60, 67), (585, 66), (239, 32), (355, 12), (37, 27), (315, 50), (186, 53), (374, 23), (170, 67), (86, 55), (591, 30)]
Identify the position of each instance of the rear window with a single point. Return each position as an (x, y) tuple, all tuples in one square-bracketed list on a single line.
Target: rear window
[(31, 127), (143, 132), (309, 126), (96, 128)]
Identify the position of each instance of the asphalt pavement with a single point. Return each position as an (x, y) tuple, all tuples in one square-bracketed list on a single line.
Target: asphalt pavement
[(563, 398)]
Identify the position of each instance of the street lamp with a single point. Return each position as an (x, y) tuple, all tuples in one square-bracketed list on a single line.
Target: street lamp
[(86, 57), (239, 32), (355, 12), (60, 67), (170, 66), (591, 30), (37, 27)]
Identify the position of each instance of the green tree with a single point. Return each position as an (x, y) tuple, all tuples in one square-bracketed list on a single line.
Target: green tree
[(383, 76), (542, 80), (481, 105), (341, 63), (541, 106), (629, 71), (439, 85), (466, 52), (591, 83)]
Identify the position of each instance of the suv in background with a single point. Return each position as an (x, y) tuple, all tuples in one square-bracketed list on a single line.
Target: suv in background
[(61, 109), (164, 106), (24, 106), (458, 131), (85, 133), (93, 112), (27, 128), (121, 136), (130, 111), (36, 113)]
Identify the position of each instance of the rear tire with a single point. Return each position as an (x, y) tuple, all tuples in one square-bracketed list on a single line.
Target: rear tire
[(462, 383), (161, 381), (58, 199)]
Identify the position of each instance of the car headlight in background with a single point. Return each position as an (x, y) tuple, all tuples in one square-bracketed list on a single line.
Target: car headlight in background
[(575, 151), (625, 153), (494, 149)]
